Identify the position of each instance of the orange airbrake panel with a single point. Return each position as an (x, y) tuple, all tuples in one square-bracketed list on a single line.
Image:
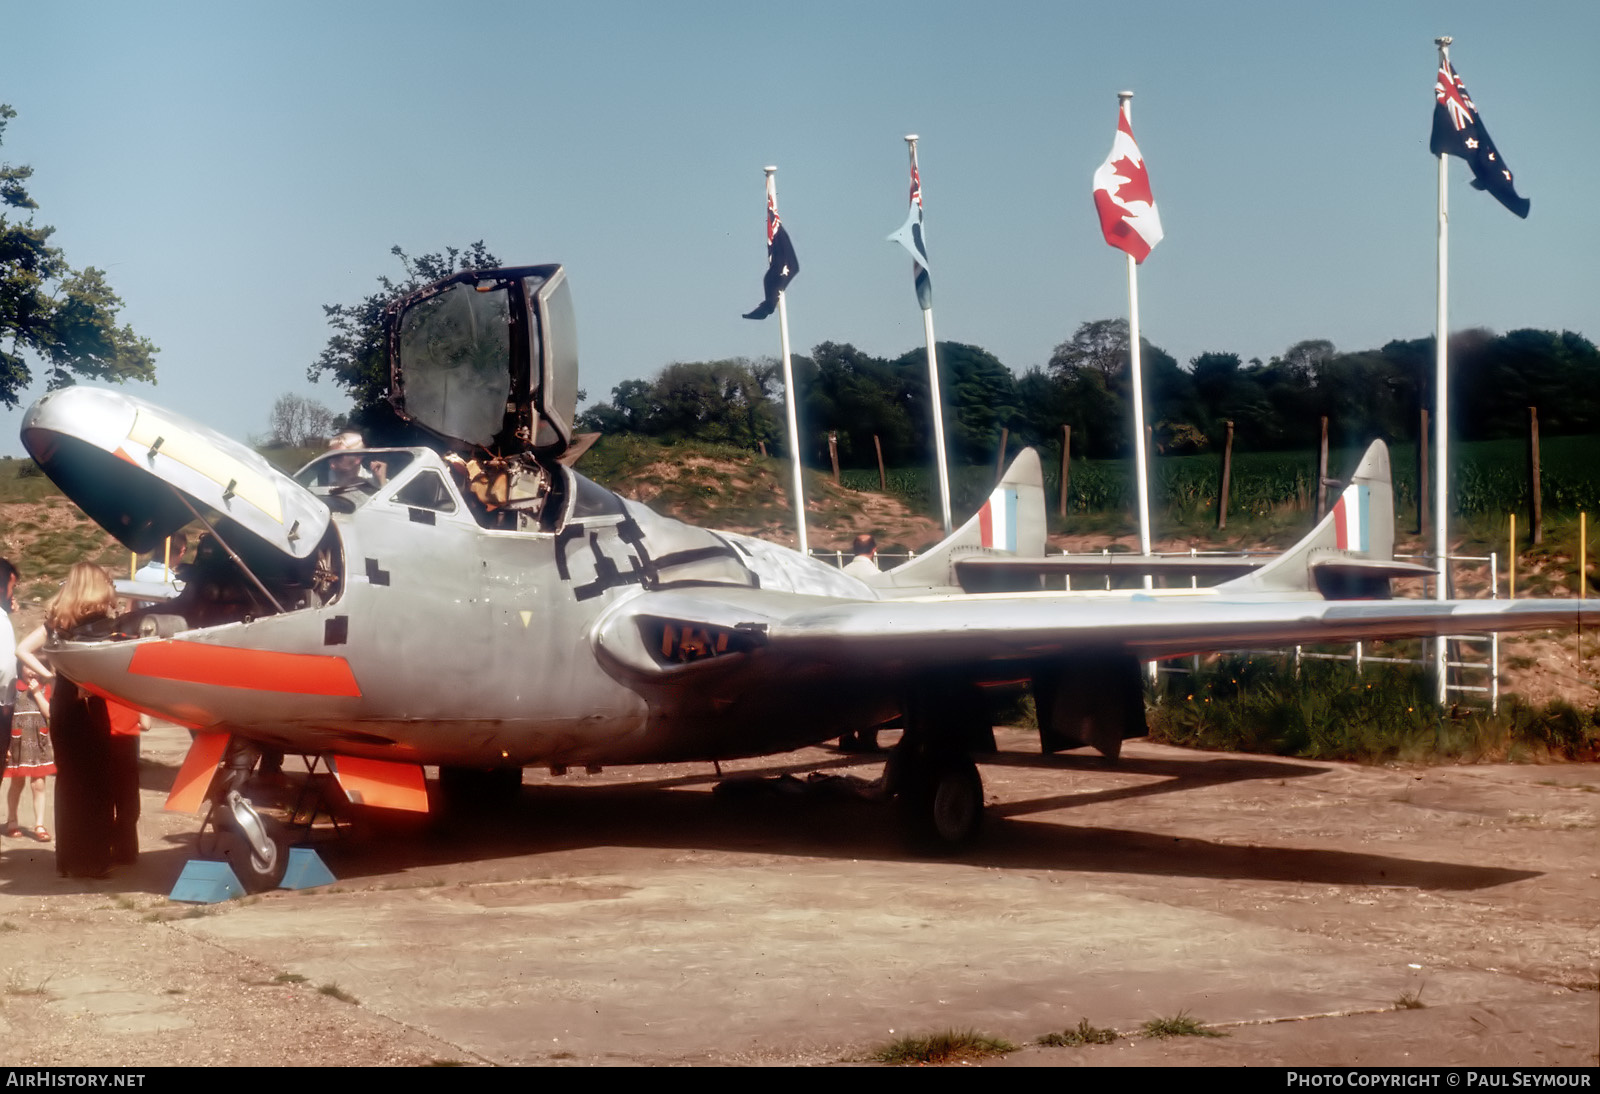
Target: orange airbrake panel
[(194, 777), (383, 783), (233, 667)]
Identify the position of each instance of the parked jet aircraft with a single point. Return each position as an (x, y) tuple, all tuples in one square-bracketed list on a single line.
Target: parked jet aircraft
[(490, 608)]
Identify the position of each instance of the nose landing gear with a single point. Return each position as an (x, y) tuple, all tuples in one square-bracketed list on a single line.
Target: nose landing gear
[(254, 846)]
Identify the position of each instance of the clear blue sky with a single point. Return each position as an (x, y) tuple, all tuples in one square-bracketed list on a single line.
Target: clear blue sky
[(236, 167)]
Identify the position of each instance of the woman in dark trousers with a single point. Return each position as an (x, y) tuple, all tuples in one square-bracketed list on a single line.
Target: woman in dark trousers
[(80, 730)]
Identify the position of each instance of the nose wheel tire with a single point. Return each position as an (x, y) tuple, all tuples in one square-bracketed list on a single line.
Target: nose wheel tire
[(257, 872), (254, 847)]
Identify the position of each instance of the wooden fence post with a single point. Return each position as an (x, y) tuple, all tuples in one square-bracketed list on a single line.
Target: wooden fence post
[(1536, 502), (833, 454), (1227, 477), (1066, 465), (1322, 472), (1423, 494), (883, 478), (1511, 559), (1000, 461)]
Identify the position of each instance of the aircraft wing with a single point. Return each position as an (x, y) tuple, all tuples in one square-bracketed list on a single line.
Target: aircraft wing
[(967, 632)]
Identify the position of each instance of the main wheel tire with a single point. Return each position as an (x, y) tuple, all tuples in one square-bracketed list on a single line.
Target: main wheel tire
[(258, 873), (940, 801)]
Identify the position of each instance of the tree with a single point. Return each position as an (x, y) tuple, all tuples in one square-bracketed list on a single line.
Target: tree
[(1304, 358), (65, 319), (1093, 371), (980, 398), (859, 396), (357, 354), (1100, 345), (296, 421), (719, 402)]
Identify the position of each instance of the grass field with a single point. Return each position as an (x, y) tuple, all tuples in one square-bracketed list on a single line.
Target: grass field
[(1330, 711), (1489, 479)]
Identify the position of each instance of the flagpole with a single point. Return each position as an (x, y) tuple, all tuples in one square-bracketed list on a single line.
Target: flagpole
[(1140, 464), (1441, 412), (933, 383), (789, 392), (1137, 374), (938, 421)]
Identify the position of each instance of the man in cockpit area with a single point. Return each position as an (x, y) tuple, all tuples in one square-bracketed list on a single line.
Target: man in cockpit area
[(347, 470)]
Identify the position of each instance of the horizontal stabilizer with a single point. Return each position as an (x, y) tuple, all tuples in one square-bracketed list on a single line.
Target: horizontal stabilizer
[(977, 570)]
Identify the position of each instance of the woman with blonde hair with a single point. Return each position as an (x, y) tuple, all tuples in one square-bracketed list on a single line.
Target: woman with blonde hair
[(80, 730)]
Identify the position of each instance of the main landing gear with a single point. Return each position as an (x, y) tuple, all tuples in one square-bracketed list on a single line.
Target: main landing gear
[(937, 792)]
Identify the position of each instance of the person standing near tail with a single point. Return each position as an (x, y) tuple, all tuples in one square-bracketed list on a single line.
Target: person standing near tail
[(865, 562)]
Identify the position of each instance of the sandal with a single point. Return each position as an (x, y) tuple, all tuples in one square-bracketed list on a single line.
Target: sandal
[(41, 833), (13, 832)]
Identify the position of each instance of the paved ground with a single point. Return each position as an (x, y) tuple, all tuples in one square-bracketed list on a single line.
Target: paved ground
[(635, 918)]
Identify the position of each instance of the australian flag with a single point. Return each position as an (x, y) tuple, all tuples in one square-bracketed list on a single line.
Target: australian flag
[(782, 265), (1458, 131)]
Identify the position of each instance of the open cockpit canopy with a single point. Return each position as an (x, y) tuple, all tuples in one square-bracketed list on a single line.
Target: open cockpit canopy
[(141, 472), (489, 358)]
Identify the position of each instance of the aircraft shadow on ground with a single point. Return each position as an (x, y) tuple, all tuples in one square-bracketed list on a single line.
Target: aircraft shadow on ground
[(778, 812), (834, 821)]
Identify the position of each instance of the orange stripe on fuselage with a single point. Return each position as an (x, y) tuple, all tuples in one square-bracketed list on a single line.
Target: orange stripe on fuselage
[(257, 670)]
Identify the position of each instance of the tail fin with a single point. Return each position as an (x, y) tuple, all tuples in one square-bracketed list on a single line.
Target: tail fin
[(1350, 553), (1011, 523)]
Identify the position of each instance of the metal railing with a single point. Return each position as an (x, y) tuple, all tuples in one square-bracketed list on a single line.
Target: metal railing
[(1358, 655)]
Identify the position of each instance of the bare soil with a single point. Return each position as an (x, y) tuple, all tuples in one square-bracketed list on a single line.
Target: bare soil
[(634, 916)]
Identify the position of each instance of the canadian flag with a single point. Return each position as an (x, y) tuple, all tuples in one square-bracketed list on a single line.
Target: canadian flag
[(1122, 195)]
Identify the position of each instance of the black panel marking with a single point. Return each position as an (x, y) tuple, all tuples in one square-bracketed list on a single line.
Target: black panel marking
[(698, 554), (607, 575), (421, 516), (375, 575), (563, 537), (336, 631)]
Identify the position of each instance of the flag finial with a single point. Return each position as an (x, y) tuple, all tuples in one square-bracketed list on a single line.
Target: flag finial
[(770, 170)]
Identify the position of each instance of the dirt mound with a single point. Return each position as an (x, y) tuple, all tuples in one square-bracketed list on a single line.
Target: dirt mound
[(44, 538), (751, 495)]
